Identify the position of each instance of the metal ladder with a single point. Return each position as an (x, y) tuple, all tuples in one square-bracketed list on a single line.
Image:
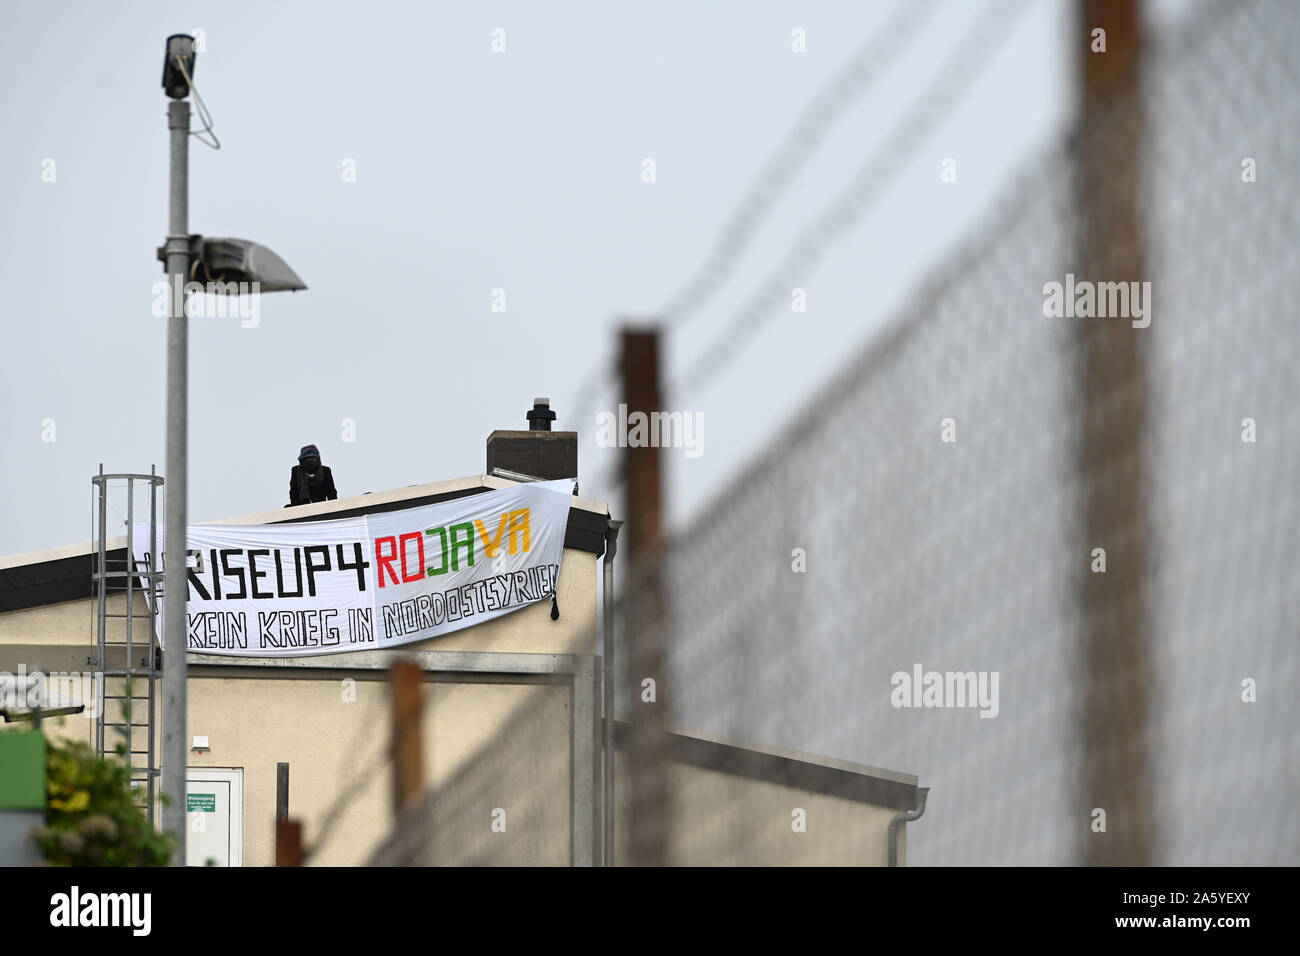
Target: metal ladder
[(129, 653)]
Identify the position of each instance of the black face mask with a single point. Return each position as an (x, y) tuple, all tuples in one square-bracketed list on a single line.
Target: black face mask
[(311, 465)]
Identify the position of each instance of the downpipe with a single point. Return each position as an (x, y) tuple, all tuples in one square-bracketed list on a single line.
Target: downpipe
[(907, 816)]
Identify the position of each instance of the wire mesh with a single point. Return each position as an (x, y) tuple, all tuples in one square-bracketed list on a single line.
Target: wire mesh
[(507, 806), (1048, 564), (938, 509)]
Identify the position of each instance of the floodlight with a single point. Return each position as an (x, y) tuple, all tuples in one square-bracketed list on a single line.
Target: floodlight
[(225, 263), (175, 82), (240, 260)]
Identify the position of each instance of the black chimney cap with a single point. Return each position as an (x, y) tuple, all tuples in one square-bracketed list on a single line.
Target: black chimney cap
[(541, 416)]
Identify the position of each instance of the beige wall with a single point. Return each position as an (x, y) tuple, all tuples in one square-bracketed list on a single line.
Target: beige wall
[(527, 630), (488, 747), (720, 819), (335, 738), (328, 742), (520, 782), (71, 622), (60, 729), (757, 824)]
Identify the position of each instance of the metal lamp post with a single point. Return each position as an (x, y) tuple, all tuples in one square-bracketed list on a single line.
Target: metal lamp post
[(238, 263)]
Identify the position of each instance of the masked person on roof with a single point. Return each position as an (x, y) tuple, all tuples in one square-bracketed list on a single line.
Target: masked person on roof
[(310, 480)]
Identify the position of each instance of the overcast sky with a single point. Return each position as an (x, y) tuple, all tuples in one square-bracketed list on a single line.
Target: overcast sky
[(475, 170)]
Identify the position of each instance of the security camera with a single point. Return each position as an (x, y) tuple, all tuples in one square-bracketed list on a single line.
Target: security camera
[(180, 47)]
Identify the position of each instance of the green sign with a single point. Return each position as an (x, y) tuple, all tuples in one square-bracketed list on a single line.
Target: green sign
[(22, 770), (201, 802)]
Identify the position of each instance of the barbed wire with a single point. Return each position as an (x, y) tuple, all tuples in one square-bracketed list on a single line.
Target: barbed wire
[(975, 52), (829, 105)]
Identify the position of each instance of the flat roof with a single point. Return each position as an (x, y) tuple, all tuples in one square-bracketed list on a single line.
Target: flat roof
[(54, 575)]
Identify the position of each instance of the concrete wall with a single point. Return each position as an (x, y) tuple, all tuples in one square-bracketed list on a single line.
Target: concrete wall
[(67, 630), (720, 819), (72, 622), (332, 734), (335, 738), (507, 806)]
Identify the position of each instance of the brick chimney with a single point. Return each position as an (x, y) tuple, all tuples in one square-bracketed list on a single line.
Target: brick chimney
[(536, 453)]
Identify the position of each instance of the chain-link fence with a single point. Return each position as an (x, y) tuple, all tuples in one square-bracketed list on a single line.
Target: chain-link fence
[(1048, 563), (509, 805), (1036, 545)]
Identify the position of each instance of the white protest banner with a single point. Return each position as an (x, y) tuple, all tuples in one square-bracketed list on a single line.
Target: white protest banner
[(380, 580)]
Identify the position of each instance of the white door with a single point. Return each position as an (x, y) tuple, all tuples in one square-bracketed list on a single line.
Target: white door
[(214, 810)]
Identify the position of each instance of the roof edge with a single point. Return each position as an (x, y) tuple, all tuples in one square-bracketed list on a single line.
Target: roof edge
[(828, 775), (322, 510)]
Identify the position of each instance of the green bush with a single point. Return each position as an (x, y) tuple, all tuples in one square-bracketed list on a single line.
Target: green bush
[(91, 818)]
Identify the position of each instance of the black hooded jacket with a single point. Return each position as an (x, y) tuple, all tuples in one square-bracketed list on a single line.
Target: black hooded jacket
[(305, 488)]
